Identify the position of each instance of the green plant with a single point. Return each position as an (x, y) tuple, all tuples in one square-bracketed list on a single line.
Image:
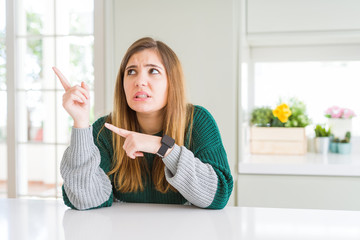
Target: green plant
[(347, 138), (321, 131), (262, 117), (298, 117)]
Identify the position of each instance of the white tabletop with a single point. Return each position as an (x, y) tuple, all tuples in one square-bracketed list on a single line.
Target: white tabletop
[(50, 219)]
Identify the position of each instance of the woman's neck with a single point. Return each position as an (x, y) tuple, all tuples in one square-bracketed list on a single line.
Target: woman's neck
[(150, 123)]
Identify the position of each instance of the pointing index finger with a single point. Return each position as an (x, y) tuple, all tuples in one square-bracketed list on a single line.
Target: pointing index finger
[(64, 82), (122, 132)]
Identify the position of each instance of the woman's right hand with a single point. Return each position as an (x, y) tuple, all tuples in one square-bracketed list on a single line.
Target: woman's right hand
[(76, 101)]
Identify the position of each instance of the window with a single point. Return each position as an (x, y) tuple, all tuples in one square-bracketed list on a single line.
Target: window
[(319, 84), (48, 33), (3, 103)]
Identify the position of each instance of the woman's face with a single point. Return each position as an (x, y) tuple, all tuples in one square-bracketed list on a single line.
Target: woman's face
[(145, 82)]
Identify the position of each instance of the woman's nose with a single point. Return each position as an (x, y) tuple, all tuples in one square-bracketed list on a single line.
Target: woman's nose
[(141, 80)]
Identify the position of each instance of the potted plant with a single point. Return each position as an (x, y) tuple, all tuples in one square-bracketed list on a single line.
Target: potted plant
[(280, 130), (334, 145), (322, 139), (344, 146), (340, 120)]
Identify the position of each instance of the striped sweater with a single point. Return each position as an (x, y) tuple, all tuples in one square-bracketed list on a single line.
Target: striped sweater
[(200, 174)]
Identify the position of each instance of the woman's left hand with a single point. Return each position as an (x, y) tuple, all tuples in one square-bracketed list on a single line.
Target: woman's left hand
[(136, 143)]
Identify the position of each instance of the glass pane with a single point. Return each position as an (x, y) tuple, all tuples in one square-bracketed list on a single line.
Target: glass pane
[(37, 171), (319, 85), (3, 107), (75, 59), (36, 116), (60, 152), (35, 17), (64, 121), (3, 170), (2, 65), (2, 18), (36, 57), (92, 113), (74, 17), (3, 145)]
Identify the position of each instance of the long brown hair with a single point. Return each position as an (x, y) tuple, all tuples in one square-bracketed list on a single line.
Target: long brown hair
[(129, 174)]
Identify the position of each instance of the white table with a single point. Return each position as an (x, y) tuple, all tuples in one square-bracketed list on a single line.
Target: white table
[(50, 219)]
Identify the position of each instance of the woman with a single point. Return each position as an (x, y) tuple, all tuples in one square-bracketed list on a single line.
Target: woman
[(152, 148)]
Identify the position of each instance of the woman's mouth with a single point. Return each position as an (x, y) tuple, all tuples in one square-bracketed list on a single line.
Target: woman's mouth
[(141, 96)]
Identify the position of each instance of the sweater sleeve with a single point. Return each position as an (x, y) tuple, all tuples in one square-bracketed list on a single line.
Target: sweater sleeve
[(86, 185), (202, 175)]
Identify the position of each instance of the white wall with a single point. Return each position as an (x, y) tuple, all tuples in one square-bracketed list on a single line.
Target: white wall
[(202, 34), (308, 192), (274, 16), (299, 22)]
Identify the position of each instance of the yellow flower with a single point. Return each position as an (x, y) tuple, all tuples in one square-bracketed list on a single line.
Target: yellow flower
[(282, 112)]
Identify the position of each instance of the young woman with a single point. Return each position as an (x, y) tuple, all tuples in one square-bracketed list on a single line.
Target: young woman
[(152, 148)]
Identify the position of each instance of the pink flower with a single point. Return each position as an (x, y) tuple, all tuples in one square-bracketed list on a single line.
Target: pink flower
[(338, 112), (348, 113)]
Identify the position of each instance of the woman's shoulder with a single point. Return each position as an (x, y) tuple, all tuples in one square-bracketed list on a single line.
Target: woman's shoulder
[(205, 131), (202, 115)]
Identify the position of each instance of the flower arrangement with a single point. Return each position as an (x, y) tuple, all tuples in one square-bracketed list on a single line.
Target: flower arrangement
[(338, 112), (284, 115)]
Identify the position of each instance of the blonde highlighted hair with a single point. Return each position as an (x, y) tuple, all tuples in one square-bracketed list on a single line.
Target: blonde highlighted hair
[(130, 174)]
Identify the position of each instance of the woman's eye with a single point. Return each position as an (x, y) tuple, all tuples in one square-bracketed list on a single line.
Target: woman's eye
[(131, 72), (154, 71)]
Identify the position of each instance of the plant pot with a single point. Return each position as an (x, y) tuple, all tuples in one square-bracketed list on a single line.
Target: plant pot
[(278, 140), (334, 147), (344, 148), (322, 144), (340, 126)]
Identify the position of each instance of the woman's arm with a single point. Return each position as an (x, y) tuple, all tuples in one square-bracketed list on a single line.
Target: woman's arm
[(85, 184), (202, 175), (202, 182)]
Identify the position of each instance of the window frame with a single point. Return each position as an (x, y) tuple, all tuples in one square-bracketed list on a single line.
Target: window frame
[(275, 48), (12, 79)]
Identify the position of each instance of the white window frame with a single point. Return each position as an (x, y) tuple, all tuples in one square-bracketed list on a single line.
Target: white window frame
[(275, 48), (11, 79)]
